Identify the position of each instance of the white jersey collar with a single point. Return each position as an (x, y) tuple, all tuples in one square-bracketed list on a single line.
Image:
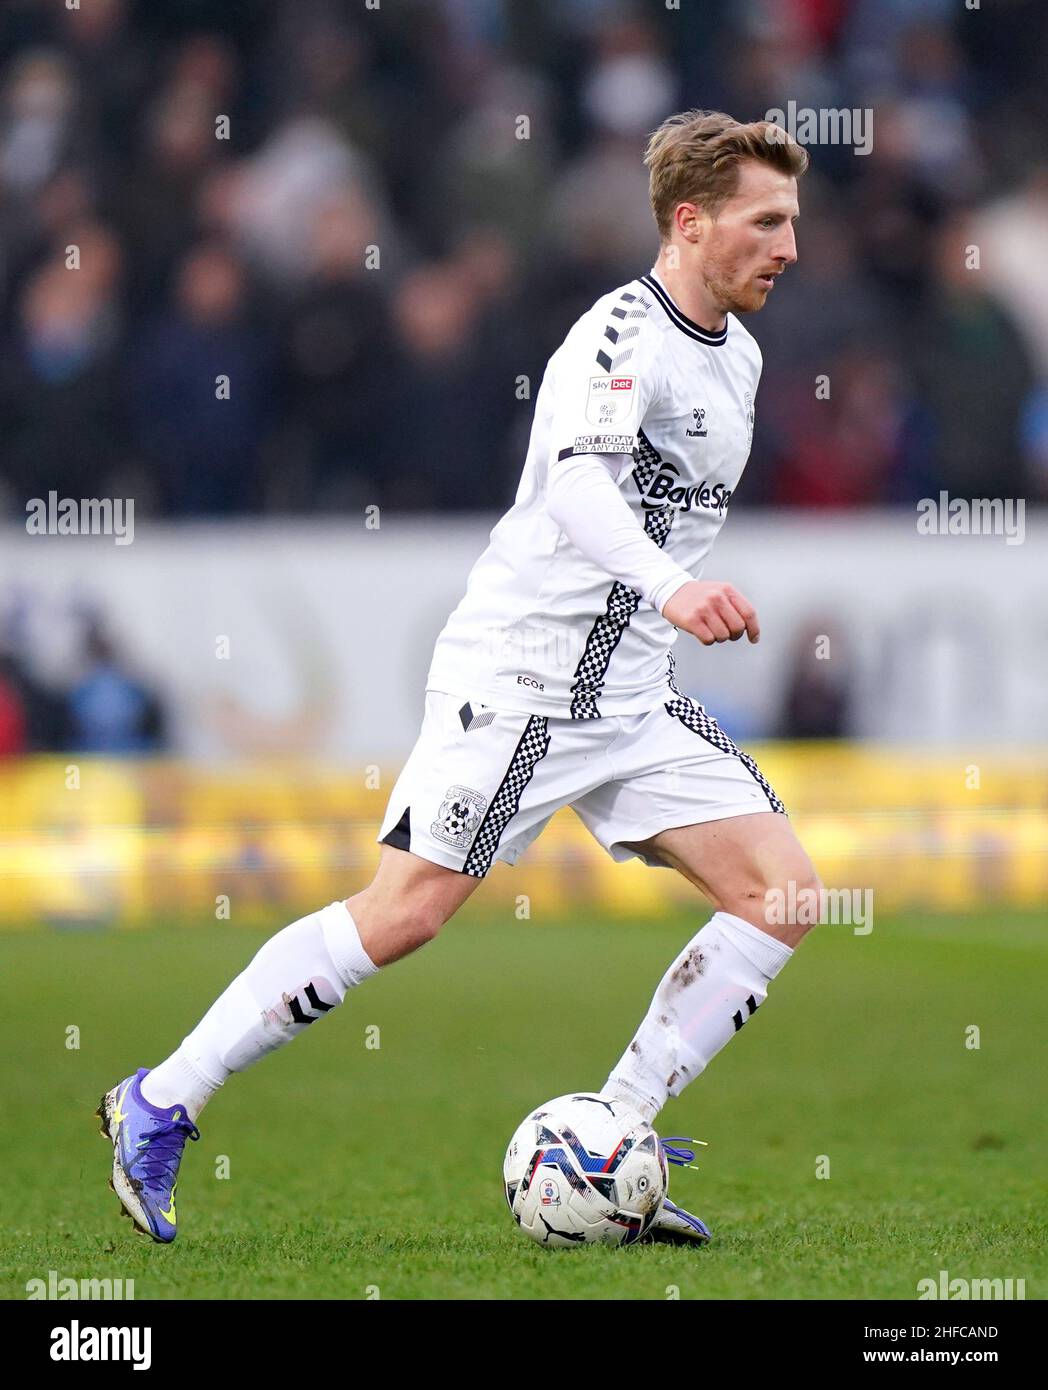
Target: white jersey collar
[(679, 318)]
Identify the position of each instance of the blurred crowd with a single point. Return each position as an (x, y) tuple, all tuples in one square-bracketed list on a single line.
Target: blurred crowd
[(370, 226), (104, 707)]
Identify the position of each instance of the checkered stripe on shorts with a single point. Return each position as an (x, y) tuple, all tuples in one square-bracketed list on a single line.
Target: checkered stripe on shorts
[(695, 718), (532, 748), (623, 602)]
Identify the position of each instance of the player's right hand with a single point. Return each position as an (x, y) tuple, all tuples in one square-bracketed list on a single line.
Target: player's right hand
[(712, 611)]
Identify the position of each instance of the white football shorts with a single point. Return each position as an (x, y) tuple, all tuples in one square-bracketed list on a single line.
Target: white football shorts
[(480, 784)]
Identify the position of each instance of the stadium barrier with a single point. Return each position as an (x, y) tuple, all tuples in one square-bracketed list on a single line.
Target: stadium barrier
[(96, 842), (314, 639)]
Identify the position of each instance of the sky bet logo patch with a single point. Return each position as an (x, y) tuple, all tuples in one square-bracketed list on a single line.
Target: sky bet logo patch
[(610, 398), (666, 490)]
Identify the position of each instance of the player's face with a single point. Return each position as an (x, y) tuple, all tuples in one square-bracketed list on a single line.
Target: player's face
[(751, 240)]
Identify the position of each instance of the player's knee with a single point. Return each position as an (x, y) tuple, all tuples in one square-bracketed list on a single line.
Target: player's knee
[(795, 900), (413, 921), (772, 895), (393, 925), (801, 878), (428, 923)]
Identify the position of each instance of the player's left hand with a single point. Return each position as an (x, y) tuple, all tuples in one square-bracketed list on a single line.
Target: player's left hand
[(712, 611)]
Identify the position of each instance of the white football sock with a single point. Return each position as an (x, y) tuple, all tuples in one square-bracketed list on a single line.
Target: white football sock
[(298, 976), (705, 997)]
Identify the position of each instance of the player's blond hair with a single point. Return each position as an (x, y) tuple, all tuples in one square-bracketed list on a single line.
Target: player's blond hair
[(694, 158)]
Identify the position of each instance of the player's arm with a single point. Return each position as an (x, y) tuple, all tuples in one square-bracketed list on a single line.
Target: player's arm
[(585, 501), (600, 408)]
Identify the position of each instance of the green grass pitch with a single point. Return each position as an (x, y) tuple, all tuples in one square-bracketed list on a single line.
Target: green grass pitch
[(354, 1169)]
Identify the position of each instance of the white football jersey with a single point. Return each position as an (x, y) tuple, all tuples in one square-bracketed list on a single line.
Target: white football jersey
[(542, 629)]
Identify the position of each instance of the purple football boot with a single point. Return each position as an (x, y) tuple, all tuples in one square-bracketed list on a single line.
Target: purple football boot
[(673, 1224), (147, 1149)]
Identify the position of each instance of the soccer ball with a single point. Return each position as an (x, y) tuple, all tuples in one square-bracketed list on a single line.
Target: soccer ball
[(581, 1170)]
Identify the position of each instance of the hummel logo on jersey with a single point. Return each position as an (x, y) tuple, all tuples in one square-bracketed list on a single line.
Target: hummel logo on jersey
[(700, 431), (665, 490)]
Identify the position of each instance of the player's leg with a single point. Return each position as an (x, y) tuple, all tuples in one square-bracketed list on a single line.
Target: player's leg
[(299, 976), (721, 977), (739, 864), (406, 904), (468, 794), (306, 970), (688, 798)]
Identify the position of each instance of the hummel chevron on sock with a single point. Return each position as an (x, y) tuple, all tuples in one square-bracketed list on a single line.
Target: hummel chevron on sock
[(298, 976), (705, 997)]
